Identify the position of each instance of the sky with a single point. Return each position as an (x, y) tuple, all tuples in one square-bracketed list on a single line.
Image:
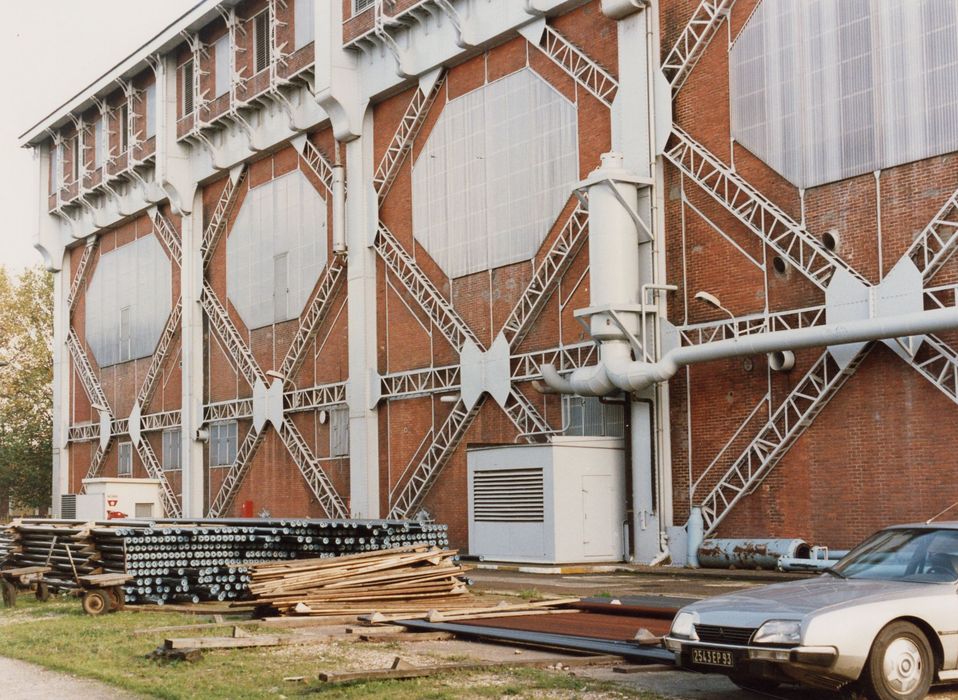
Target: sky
[(49, 51)]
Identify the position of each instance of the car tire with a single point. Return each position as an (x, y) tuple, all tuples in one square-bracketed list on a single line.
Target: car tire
[(759, 685), (900, 665)]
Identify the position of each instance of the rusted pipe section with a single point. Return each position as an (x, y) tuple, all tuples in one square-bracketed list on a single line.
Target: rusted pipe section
[(750, 553)]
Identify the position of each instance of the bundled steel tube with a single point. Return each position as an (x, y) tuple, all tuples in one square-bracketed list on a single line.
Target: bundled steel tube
[(187, 560)]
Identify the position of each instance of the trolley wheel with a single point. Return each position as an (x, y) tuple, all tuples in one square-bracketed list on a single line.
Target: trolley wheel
[(42, 592), (9, 591), (117, 598), (96, 602)]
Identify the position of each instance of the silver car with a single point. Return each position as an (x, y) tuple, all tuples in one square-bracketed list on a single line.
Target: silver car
[(884, 620)]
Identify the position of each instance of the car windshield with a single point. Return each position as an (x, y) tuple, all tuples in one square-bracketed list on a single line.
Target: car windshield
[(919, 555)]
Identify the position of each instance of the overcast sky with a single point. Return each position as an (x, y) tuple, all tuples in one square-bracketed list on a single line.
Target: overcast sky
[(49, 51)]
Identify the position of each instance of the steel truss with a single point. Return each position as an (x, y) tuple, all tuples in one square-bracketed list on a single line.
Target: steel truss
[(221, 213), (693, 41), (83, 269), (579, 65), (401, 143)]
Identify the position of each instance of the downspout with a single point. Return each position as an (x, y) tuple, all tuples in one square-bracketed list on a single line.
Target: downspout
[(339, 205)]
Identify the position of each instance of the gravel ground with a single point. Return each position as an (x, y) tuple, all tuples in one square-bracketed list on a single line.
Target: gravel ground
[(24, 681)]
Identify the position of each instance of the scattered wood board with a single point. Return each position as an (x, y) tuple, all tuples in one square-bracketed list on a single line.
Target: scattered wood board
[(421, 671)]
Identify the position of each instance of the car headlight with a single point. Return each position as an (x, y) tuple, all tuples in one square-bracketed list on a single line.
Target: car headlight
[(779, 632), (682, 626)]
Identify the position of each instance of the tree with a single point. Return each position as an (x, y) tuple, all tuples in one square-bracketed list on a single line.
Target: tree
[(26, 389)]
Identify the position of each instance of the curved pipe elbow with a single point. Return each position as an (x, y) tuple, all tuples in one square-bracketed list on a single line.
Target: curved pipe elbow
[(592, 381), (554, 382), (631, 376)]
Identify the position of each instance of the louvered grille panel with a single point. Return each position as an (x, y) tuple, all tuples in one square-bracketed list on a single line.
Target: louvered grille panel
[(508, 495), (724, 635), (68, 506)]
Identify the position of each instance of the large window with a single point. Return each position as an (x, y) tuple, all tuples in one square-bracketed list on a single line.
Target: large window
[(304, 22), (494, 174), (172, 452), (222, 444), (99, 144), (830, 89), (589, 416), (222, 67), (150, 97), (124, 127)]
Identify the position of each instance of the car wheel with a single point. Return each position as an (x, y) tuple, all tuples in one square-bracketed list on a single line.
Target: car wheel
[(900, 665), (759, 685)]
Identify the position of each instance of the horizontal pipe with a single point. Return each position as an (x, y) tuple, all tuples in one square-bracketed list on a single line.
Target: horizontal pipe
[(617, 370)]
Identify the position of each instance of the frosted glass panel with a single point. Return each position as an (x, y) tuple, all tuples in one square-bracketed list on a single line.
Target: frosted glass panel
[(822, 90), (284, 217), (496, 170), (128, 301)]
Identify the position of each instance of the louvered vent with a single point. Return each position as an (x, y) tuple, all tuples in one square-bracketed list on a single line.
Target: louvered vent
[(68, 506), (261, 34), (508, 496)]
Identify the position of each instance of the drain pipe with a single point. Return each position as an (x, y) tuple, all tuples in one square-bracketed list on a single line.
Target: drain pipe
[(338, 190)]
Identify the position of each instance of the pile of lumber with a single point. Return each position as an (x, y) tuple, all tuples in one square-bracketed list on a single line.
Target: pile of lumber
[(402, 578)]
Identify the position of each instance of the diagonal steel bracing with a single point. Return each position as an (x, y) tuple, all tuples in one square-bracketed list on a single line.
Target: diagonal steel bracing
[(579, 65), (694, 39), (935, 360), (402, 141)]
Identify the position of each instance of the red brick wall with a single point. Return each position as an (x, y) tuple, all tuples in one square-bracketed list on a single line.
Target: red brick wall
[(877, 453)]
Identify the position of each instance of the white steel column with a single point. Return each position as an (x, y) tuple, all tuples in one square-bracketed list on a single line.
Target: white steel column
[(191, 334), (638, 120), (361, 221), (61, 383)]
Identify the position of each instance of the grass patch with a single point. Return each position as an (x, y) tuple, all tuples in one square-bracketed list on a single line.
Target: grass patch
[(530, 594), (59, 636)]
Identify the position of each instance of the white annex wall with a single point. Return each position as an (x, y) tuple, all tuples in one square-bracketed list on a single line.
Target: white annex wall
[(822, 90), (128, 301), (276, 249), (495, 171)]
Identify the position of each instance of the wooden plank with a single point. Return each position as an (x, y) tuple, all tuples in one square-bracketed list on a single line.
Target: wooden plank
[(26, 571), (408, 637), (243, 642), (421, 671)]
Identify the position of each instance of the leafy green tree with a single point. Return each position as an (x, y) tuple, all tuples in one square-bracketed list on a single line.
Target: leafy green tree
[(26, 389)]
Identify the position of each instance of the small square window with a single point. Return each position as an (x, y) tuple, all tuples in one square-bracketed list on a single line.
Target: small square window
[(125, 463)]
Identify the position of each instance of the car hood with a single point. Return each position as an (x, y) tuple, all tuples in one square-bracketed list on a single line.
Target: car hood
[(796, 599)]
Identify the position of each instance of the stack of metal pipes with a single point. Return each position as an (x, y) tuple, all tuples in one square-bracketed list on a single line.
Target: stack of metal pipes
[(6, 543), (63, 546), (190, 561)]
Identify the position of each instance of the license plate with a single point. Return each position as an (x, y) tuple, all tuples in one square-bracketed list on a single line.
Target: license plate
[(713, 657)]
